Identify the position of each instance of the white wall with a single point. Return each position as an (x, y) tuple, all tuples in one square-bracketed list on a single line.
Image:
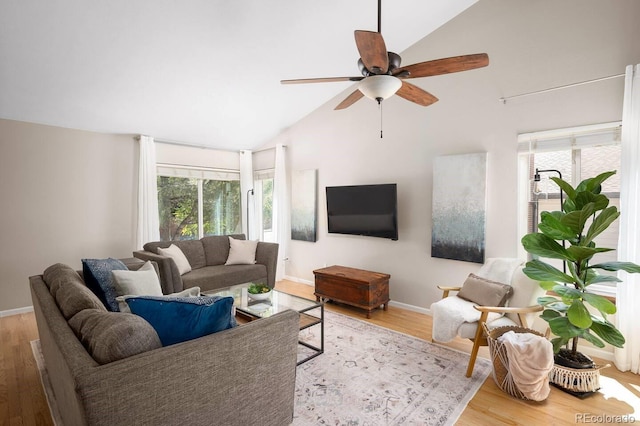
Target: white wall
[(532, 45), (66, 195)]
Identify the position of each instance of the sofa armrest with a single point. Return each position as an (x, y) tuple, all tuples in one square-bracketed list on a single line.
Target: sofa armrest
[(170, 278), (267, 254), (202, 381)]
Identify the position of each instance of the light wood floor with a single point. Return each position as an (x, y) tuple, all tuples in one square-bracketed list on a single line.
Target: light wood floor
[(22, 401)]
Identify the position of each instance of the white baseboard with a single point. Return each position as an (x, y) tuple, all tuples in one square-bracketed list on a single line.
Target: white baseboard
[(410, 307), (298, 280), (596, 352), (16, 311)]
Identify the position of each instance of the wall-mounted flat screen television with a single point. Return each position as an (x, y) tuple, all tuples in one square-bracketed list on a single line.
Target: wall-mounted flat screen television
[(369, 210)]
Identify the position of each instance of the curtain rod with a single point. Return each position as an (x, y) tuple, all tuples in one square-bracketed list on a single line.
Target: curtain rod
[(505, 99)]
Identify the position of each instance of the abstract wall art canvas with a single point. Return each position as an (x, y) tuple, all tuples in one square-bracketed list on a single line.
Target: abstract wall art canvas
[(304, 205), (459, 207)]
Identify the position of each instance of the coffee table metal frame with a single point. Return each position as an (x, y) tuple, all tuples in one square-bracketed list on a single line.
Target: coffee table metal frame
[(277, 301)]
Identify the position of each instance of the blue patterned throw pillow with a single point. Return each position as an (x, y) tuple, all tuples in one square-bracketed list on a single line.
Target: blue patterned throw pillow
[(98, 277), (178, 319)]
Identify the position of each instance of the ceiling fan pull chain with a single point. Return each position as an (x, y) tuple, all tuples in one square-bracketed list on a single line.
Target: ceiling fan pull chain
[(380, 107)]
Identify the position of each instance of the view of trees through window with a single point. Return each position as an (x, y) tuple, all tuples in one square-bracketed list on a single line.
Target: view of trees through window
[(190, 208)]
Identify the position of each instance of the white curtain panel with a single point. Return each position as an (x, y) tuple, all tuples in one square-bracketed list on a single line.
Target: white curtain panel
[(247, 199), (148, 228), (281, 209), (628, 291)]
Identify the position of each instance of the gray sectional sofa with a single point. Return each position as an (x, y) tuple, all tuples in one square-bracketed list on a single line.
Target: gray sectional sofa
[(240, 376), (207, 258)]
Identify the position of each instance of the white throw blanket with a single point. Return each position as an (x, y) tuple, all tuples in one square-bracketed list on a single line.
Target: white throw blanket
[(499, 269), (530, 361), (450, 313)]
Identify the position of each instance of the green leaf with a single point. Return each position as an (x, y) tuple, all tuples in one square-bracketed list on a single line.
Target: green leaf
[(601, 223), (561, 327), (549, 314), (577, 219), (567, 292), (569, 206), (592, 339), (580, 253), (551, 225), (583, 198), (617, 266), (559, 343), (595, 279), (542, 245), (545, 300), (566, 187), (547, 285), (604, 305), (593, 184), (608, 332), (541, 271), (579, 315)]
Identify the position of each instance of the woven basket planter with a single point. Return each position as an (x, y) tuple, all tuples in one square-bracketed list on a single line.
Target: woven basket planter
[(577, 381), (501, 374)]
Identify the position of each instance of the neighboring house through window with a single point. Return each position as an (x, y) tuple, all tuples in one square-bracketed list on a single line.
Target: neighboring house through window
[(577, 154)]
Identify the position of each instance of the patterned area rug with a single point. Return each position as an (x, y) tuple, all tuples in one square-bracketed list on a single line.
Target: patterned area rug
[(369, 375)]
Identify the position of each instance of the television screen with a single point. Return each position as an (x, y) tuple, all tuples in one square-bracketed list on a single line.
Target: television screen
[(369, 210)]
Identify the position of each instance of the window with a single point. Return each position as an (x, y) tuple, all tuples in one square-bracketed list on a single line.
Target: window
[(195, 202), (576, 154), (263, 192)]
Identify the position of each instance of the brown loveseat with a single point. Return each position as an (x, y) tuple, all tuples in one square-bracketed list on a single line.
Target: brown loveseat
[(207, 258), (240, 376)]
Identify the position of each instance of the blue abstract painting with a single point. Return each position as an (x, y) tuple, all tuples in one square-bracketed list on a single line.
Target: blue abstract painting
[(459, 207)]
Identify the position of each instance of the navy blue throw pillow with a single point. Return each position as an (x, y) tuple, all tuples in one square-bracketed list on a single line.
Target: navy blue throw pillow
[(178, 319), (98, 277)]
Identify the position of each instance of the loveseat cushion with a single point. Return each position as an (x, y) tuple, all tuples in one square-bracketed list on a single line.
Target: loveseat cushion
[(111, 336), (178, 319), (69, 291), (214, 277), (192, 249), (216, 248)]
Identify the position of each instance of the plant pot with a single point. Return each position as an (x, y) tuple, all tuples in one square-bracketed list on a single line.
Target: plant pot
[(576, 360)]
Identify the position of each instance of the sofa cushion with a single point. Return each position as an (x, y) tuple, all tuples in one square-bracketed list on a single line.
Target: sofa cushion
[(178, 319), (98, 277), (69, 291), (144, 281), (214, 277), (192, 249), (124, 307), (174, 252), (216, 248), (111, 336), (241, 252), (485, 292)]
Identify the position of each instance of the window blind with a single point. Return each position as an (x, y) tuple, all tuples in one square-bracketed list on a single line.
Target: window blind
[(570, 138)]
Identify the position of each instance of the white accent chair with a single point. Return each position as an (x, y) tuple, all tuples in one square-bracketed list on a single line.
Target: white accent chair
[(520, 308)]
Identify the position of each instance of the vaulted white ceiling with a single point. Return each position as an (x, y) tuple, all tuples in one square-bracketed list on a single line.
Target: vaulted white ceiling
[(199, 72)]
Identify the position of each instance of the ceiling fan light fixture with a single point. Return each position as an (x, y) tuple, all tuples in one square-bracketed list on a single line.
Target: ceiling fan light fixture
[(379, 87)]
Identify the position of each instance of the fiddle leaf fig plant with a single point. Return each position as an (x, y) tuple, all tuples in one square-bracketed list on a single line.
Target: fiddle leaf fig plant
[(569, 235)]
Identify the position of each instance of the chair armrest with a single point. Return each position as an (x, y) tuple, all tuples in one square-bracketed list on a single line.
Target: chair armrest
[(446, 290), (521, 312), (170, 278), (267, 254)]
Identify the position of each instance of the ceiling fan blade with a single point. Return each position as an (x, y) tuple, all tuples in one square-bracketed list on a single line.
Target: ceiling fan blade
[(415, 94), (373, 51), (444, 66), (350, 100), (320, 80)]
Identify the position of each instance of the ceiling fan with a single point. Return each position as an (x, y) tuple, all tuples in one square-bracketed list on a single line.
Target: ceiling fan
[(382, 75)]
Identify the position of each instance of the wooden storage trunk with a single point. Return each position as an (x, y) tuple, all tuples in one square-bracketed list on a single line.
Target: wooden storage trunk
[(356, 287)]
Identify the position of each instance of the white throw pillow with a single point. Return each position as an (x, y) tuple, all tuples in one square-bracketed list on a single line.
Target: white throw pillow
[(143, 282), (242, 252), (124, 306), (174, 252)]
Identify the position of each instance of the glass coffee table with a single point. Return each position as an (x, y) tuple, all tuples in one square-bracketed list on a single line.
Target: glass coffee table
[(311, 311)]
